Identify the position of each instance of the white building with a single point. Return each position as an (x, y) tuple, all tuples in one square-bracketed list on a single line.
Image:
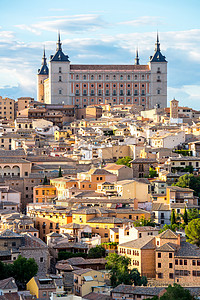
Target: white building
[(129, 233)]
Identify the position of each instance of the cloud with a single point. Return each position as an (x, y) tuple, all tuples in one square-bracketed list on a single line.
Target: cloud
[(28, 28), (144, 21), (19, 61), (188, 95), (67, 24)]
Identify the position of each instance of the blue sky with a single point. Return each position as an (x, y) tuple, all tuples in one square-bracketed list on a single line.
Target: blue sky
[(100, 32)]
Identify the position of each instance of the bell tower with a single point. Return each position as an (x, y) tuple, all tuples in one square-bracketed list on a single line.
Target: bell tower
[(59, 71), (158, 83), (43, 73)]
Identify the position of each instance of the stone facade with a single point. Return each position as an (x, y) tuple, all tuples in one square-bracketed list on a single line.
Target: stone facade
[(83, 85)]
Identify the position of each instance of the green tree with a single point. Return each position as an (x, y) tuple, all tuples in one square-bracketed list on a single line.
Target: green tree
[(24, 269), (190, 181), (173, 217), (60, 172), (192, 231), (185, 216), (152, 172), (176, 292), (193, 214), (66, 254), (45, 181), (144, 222), (136, 278), (172, 227), (120, 273), (124, 161), (97, 252)]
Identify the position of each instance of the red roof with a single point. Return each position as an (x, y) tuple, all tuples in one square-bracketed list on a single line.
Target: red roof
[(109, 67)]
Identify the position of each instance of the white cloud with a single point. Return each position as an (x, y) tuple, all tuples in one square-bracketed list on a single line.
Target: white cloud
[(28, 28), (66, 24), (144, 21)]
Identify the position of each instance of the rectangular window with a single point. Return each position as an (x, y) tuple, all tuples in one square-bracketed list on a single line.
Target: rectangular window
[(159, 265), (194, 262), (159, 254), (170, 255), (170, 265), (185, 262)]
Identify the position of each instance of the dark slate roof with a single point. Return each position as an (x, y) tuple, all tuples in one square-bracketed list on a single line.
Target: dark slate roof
[(168, 247), (9, 234), (123, 288), (97, 296), (168, 234), (8, 283), (59, 56), (44, 70), (188, 250), (157, 57), (149, 291)]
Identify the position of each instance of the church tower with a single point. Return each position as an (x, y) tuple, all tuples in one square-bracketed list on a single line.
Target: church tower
[(43, 73), (158, 83), (59, 70), (137, 58)]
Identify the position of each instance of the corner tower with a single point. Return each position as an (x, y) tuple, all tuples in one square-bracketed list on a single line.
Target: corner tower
[(59, 70), (43, 73), (158, 85)]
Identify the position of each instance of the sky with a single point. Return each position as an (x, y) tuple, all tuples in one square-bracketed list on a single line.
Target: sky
[(100, 32)]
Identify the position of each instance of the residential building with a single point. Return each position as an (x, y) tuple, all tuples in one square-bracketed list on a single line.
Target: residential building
[(44, 194), (129, 232), (87, 281), (123, 172), (7, 109)]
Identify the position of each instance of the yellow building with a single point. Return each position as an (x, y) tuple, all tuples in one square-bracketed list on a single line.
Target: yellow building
[(48, 220), (87, 281), (62, 134), (102, 220)]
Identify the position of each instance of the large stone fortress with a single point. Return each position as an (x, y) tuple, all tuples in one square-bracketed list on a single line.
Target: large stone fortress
[(84, 85)]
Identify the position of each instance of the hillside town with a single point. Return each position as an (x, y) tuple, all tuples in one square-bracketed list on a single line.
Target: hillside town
[(99, 185)]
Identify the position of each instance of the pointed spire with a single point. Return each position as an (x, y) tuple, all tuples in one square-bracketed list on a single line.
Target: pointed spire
[(157, 44), (137, 58), (44, 60), (59, 43)]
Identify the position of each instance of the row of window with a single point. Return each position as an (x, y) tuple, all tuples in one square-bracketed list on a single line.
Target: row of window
[(107, 93), (160, 255), (107, 85), (114, 100), (107, 77), (129, 251), (5, 103)]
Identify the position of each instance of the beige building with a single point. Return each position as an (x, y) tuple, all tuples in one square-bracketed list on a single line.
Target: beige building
[(122, 172), (134, 189), (23, 103), (7, 108), (115, 152), (142, 255), (129, 233)]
